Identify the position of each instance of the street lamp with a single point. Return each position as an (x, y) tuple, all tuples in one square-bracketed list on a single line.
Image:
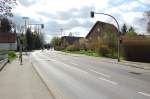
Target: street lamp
[(92, 15), (20, 48), (25, 19)]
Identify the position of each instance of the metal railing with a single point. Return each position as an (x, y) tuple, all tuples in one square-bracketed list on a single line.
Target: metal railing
[(3, 59), (3, 55)]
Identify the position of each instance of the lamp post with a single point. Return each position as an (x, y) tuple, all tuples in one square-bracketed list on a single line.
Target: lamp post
[(92, 15), (20, 48), (25, 20), (61, 31)]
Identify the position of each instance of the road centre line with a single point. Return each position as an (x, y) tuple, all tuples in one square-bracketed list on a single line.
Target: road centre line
[(109, 81), (100, 73), (145, 94)]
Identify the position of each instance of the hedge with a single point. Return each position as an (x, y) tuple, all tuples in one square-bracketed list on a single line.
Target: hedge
[(137, 49)]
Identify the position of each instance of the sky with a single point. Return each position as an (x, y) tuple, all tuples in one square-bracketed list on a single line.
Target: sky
[(60, 17)]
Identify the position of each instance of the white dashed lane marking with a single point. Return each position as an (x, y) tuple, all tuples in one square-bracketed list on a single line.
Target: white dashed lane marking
[(105, 75), (145, 94), (109, 81)]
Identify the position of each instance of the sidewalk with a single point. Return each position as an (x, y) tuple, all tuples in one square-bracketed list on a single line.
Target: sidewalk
[(22, 82)]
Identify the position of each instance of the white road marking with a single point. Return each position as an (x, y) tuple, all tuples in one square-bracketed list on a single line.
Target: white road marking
[(145, 94), (80, 70), (109, 81), (100, 73), (74, 64)]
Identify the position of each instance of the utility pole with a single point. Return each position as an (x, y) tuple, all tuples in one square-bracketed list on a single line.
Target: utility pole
[(20, 48)]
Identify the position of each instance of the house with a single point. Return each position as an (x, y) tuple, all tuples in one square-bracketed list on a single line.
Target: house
[(8, 41), (102, 29), (68, 40), (104, 32)]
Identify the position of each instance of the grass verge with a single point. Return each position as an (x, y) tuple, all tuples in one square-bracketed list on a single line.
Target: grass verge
[(83, 52), (92, 53)]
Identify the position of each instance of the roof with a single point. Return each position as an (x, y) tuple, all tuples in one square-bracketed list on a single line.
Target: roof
[(7, 38), (71, 39), (97, 23)]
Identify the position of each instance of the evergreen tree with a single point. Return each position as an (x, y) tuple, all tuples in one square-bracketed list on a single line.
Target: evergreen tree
[(5, 25), (124, 29), (29, 39)]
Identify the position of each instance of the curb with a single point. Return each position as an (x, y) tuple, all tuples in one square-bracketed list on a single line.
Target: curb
[(39, 74), (145, 67), (54, 91), (3, 64)]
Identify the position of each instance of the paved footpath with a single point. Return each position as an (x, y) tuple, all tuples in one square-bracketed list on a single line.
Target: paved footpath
[(22, 82)]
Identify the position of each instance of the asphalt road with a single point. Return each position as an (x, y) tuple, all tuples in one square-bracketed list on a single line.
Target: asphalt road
[(83, 77)]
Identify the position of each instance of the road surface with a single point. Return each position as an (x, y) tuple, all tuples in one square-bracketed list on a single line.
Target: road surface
[(83, 77)]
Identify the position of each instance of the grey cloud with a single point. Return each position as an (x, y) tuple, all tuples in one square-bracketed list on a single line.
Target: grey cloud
[(27, 2), (140, 25), (84, 12), (70, 18), (54, 27), (73, 13)]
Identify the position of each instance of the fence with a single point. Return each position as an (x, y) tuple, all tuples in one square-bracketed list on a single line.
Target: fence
[(3, 59)]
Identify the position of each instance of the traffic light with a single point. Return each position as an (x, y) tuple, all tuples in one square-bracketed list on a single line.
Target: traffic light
[(42, 26), (92, 14)]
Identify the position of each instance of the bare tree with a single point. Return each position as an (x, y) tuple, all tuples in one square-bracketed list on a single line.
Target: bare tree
[(6, 7), (147, 14)]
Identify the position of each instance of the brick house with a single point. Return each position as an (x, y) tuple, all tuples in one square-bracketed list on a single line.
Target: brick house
[(105, 31), (68, 40), (8, 41), (100, 29)]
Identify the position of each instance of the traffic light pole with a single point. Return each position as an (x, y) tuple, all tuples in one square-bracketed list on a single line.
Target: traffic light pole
[(118, 41)]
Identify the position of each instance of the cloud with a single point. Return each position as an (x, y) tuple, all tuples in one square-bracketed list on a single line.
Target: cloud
[(74, 13), (147, 2), (74, 16)]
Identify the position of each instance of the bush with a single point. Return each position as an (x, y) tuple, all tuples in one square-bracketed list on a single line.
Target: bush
[(72, 48), (89, 53), (11, 55), (112, 54), (103, 50)]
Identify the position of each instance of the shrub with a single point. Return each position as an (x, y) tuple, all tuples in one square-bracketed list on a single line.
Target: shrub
[(11, 55), (72, 48), (103, 50)]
